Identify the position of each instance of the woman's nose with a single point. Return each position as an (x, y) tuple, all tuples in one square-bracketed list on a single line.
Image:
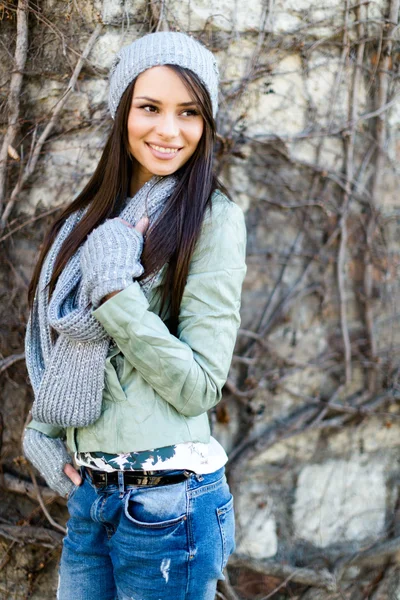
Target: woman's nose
[(167, 126)]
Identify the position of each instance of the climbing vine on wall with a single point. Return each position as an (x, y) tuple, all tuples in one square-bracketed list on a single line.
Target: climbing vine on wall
[(320, 239)]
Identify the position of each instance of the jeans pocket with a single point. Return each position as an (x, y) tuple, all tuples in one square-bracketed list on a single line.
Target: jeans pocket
[(226, 520), (156, 507)]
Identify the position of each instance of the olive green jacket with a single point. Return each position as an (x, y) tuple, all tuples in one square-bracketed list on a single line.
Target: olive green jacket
[(159, 387)]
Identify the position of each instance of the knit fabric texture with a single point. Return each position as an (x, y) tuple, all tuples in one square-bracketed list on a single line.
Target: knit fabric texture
[(49, 456), (110, 260), (67, 375), (162, 48)]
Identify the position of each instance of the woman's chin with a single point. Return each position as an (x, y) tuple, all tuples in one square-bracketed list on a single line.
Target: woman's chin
[(164, 171)]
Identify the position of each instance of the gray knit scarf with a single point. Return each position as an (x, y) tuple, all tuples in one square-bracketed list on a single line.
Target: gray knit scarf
[(67, 375)]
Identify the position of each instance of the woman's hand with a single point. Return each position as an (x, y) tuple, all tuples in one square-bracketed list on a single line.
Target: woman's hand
[(110, 258), (51, 459), (73, 474), (141, 227)]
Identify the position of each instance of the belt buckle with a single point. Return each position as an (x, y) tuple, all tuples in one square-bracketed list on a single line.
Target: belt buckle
[(146, 480), (102, 479)]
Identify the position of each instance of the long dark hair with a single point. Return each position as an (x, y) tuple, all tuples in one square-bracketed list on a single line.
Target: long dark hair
[(173, 238)]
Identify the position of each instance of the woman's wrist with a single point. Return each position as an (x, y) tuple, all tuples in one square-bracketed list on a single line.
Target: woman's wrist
[(108, 296)]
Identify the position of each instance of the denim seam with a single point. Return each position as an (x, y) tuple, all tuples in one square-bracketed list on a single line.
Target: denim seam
[(197, 480), (189, 522), (223, 537), (94, 509), (191, 545), (194, 493), (72, 492), (101, 509)]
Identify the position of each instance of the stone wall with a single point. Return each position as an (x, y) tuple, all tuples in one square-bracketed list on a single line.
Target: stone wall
[(309, 145)]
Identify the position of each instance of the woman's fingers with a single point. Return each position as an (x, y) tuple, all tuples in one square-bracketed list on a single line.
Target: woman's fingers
[(142, 225), (72, 474), (123, 221)]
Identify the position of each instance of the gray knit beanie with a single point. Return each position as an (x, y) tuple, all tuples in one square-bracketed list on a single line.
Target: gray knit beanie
[(162, 48)]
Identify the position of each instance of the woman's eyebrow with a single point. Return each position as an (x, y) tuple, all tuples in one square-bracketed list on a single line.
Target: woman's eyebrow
[(191, 103)]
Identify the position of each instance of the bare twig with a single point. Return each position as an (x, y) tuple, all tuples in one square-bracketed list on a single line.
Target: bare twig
[(327, 131), (291, 294), (6, 556), (349, 169), (321, 579), (341, 276), (226, 588), (274, 433), (381, 135), (276, 287), (42, 504), (31, 165), (31, 535), (376, 552), (5, 363), (299, 421), (19, 486), (21, 51), (241, 395), (28, 222), (158, 18)]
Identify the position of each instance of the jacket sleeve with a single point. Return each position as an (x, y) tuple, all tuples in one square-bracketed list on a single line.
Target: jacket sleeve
[(190, 370), (52, 431)]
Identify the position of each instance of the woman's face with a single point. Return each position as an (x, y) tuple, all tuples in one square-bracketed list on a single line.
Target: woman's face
[(164, 124)]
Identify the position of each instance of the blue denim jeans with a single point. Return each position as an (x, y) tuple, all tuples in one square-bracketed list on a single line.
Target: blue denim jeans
[(147, 543)]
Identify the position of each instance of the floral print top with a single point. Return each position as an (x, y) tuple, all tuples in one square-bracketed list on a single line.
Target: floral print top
[(191, 456)]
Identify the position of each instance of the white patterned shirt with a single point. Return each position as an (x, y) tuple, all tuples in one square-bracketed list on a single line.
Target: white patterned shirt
[(191, 456)]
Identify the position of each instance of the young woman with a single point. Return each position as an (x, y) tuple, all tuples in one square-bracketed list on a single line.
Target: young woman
[(134, 312)]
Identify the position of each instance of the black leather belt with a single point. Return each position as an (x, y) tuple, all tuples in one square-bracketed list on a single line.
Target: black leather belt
[(153, 478)]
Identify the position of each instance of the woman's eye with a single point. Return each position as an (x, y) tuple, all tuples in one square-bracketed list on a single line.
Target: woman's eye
[(150, 108)]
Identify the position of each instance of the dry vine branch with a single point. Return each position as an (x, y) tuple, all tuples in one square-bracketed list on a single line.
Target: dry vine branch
[(326, 131), (340, 190), (292, 293), (307, 418), (6, 556), (226, 588), (16, 485), (381, 135), (265, 312), (5, 363), (349, 169), (24, 224), (31, 535), (157, 15), (321, 579), (280, 308), (21, 51), (38, 13), (31, 165), (376, 553), (43, 506)]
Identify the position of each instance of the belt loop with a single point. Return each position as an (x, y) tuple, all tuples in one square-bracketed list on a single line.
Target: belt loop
[(121, 483)]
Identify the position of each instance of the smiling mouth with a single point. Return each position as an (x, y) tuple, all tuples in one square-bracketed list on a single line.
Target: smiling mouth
[(163, 150)]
